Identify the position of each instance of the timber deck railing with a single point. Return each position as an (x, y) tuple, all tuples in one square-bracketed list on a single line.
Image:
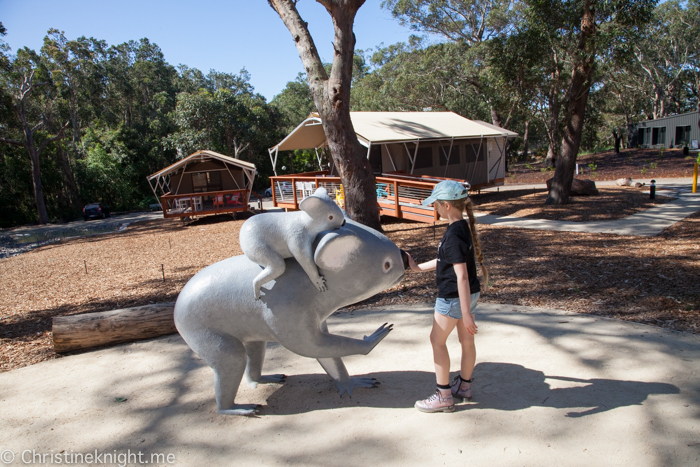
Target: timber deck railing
[(204, 203), (398, 195)]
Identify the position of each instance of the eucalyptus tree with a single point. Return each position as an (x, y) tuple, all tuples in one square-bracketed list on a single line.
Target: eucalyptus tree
[(470, 23), (693, 68), (331, 95), (591, 30), (79, 81), (28, 94), (239, 125), (665, 54), (529, 61), (416, 77)]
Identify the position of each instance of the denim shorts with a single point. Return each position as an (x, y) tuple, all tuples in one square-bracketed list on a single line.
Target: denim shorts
[(451, 307)]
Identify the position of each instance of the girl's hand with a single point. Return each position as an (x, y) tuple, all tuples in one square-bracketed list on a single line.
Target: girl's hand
[(412, 263), (469, 324)]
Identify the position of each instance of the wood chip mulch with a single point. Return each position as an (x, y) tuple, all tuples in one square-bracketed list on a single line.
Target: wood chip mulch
[(642, 279), (640, 165)]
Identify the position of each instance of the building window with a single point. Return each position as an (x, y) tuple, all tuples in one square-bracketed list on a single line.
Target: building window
[(444, 151), (682, 135), (424, 158), (471, 151), (206, 181)]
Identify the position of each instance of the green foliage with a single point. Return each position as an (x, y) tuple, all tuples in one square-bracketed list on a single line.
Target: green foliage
[(237, 124), (415, 77), (104, 169), (294, 102)]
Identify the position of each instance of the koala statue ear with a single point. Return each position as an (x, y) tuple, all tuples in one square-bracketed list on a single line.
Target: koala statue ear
[(317, 201), (336, 250), (321, 192)]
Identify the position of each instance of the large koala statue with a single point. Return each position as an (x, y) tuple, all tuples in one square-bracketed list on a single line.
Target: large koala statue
[(268, 239), (220, 318)]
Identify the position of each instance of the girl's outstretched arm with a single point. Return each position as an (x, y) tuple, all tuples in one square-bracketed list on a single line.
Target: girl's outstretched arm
[(423, 267)]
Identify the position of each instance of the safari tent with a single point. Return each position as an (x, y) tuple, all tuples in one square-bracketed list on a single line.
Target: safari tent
[(203, 183), (417, 149)]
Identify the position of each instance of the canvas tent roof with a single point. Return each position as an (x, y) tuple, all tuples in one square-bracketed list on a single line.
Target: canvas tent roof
[(393, 127), (247, 166)]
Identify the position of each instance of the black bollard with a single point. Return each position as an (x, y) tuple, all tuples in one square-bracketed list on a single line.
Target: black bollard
[(652, 190)]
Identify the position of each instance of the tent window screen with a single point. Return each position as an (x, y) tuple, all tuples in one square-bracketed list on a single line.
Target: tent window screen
[(375, 159), (445, 151), (206, 181), (472, 150), (424, 158)]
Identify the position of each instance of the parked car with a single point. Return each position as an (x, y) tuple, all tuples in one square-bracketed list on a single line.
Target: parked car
[(95, 210), (286, 188)]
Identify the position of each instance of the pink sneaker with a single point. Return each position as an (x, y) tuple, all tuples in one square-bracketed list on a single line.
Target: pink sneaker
[(438, 402), (461, 390)]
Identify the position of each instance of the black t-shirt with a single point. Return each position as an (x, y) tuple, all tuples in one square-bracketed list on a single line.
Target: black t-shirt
[(455, 247)]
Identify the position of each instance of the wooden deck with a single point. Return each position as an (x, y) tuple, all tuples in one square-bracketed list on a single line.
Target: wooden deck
[(398, 195), (205, 203)]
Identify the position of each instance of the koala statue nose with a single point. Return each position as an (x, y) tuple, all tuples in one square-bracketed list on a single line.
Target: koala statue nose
[(343, 223)]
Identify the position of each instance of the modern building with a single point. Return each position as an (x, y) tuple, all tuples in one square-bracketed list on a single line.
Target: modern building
[(674, 131)]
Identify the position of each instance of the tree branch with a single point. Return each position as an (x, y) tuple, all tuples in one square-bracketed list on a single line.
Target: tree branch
[(59, 135), (11, 141), (305, 44)]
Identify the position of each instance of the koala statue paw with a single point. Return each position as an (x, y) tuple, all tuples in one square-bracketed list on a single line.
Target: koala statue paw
[(320, 284), (351, 383), (377, 336), (242, 409)]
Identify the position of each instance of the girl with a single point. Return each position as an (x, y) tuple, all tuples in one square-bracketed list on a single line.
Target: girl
[(458, 292)]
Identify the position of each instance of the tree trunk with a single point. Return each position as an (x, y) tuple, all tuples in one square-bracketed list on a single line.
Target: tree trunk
[(553, 129), (526, 137), (495, 118), (617, 138), (331, 95), (39, 198), (79, 332), (69, 179), (579, 88)]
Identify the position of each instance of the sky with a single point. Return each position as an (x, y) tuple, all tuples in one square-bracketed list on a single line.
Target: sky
[(221, 35)]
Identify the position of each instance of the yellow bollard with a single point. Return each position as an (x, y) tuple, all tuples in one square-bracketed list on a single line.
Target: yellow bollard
[(695, 178)]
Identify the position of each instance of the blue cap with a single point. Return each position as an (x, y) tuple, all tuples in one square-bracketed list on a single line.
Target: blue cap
[(446, 191)]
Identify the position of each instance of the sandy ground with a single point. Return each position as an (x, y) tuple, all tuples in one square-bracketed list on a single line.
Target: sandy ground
[(551, 388)]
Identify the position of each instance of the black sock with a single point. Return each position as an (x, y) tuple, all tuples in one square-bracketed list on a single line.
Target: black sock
[(465, 380), (443, 386)]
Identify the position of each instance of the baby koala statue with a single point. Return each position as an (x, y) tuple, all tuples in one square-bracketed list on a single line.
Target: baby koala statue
[(267, 239)]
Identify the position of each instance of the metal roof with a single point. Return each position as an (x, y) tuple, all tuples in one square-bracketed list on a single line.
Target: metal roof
[(202, 155)]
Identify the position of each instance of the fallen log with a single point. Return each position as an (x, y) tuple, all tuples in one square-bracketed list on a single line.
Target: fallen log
[(80, 332)]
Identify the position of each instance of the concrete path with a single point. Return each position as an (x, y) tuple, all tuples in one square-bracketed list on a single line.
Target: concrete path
[(551, 389), (646, 223)]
